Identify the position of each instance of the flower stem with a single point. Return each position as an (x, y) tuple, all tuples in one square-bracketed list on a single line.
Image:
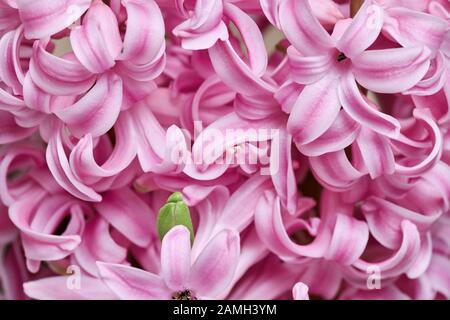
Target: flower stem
[(355, 5)]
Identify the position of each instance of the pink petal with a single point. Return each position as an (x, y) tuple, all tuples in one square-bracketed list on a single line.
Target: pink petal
[(363, 30), (203, 40), (435, 136), (141, 72), (213, 142), (340, 135), (176, 258), (424, 258), (433, 81), (9, 102), (10, 131), (129, 214), (364, 111), (41, 20), (335, 171), (97, 42), (214, 268), (235, 73), (11, 73), (239, 211), (56, 288), (130, 283), (272, 232), (251, 36), (287, 95), (204, 26), (60, 168), (209, 210), (35, 98), (385, 293), (98, 245), (376, 153), (97, 111), (323, 279), (12, 272), (308, 69), (438, 275), (58, 76), (439, 9), (403, 259), (83, 162), (9, 192), (385, 220), (349, 240), (413, 28), (150, 137), (271, 11), (255, 108), (143, 42), (270, 280), (391, 70), (9, 17), (315, 110), (8, 232), (303, 29), (283, 177), (38, 217), (326, 11)]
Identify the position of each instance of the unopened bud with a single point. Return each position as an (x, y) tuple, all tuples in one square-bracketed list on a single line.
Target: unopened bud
[(175, 212)]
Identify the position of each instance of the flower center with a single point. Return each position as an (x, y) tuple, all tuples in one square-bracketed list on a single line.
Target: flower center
[(341, 57), (184, 295)]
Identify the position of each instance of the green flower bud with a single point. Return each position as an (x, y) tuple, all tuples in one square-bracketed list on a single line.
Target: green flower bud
[(174, 212)]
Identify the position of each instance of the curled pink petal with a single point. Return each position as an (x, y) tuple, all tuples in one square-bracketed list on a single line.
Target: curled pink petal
[(143, 42), (363, 30), (391, 70), (348, 241), (436, 139), (128, 214), (308, 69), (376, 153), (10, 131), (98, 245), (315, 110), (58, 76), (363, 111), (97, 111), (45, 19), (340, 135), (402, 24), (38, 222), (60, 168), (205, 26), (97, 42), (335, 170), (302, 28)]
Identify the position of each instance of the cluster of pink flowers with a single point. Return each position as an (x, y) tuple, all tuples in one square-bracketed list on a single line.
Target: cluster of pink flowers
[(109, 107)]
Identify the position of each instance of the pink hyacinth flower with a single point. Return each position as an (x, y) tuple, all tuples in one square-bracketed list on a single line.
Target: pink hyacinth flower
[(329, 66), (182, 277)]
